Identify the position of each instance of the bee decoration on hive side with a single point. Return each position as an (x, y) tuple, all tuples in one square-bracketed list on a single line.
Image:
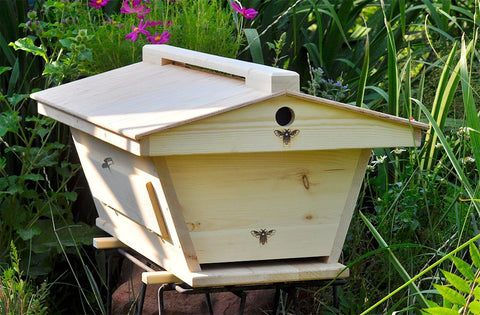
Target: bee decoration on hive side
[(262, 235), (286, 135)]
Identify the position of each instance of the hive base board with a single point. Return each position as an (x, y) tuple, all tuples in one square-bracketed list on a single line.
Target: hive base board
[(251, 273), (244, 273)]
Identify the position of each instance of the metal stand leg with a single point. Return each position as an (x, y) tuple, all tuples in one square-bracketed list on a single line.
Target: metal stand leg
[(243, 300), (141, 299), (209, 303), (160, 299)]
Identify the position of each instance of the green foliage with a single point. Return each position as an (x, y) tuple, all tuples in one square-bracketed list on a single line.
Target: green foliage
[(326, 88), (193, 24), (33, 181), (461, 292), (19, 296), (206, 26)]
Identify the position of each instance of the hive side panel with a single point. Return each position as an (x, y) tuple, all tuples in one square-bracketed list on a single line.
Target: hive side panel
[(128, 192), (255, 129), (141, 240), (118, 178), (350, 204), (261, 206)]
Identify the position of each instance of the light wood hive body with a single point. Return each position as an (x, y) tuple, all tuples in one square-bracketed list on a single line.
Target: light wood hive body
[(192, 169)]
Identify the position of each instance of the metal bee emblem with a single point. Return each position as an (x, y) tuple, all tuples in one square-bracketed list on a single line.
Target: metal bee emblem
[(107, 162), (262, 235), (286, 135)]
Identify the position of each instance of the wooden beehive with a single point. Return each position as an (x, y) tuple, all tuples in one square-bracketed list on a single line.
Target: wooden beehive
[(195, 160)]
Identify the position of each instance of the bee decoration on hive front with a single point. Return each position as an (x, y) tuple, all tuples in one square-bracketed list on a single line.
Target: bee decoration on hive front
[(262, 235), (286, 135)]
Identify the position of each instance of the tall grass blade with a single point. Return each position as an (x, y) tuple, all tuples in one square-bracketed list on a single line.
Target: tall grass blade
[(423, 272), (394, 260), (443, 99), (255, 46), (470, 109), (407, 85), (333, 14), (451, 156), (403, 17), (434, 14), (314, 54), (445, 11), (319, 31), (363, 75), (393, 80), (7, 51), (14, 78), (421, 85), (95, 289)]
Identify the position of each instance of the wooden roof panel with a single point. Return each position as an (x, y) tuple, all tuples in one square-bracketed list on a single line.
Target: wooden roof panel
[(144, 98)]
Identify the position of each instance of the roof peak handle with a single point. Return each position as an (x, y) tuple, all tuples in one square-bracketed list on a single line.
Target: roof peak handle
[(258, 77)]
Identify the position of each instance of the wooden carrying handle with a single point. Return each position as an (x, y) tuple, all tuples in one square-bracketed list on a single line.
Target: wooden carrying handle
[(259, 77), (158, 212)]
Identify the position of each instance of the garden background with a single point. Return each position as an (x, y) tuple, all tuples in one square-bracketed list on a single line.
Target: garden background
[(413, 239)]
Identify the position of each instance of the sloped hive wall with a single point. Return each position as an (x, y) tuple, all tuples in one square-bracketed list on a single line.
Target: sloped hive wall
[(259, 206), (145, 221)]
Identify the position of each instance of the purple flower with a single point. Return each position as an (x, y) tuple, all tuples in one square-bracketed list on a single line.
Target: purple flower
[(159, 39), (134, 7), (247, 13), (136, 30), (98, 3)]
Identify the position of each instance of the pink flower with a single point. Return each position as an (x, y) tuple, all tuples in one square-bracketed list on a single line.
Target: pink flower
[(136, 30), (162, 39), (247, 13), (134, 7), (98, 3)]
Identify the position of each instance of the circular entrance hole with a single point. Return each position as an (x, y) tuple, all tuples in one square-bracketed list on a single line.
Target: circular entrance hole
[(284, 116)]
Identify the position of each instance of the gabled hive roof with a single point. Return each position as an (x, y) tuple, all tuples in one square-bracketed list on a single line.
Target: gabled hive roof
[(164, 91)]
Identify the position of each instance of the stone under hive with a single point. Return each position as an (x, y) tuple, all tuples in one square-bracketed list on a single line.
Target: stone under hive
[(220, 170)]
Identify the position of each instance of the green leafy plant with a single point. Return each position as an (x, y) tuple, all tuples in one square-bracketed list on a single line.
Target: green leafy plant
[(461, 292), (20, 296), (33, 181), (326, 88)]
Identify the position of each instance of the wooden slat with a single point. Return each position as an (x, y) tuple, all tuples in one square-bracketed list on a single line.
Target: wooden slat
[(107, 242), (158, 212), (159, 277)]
